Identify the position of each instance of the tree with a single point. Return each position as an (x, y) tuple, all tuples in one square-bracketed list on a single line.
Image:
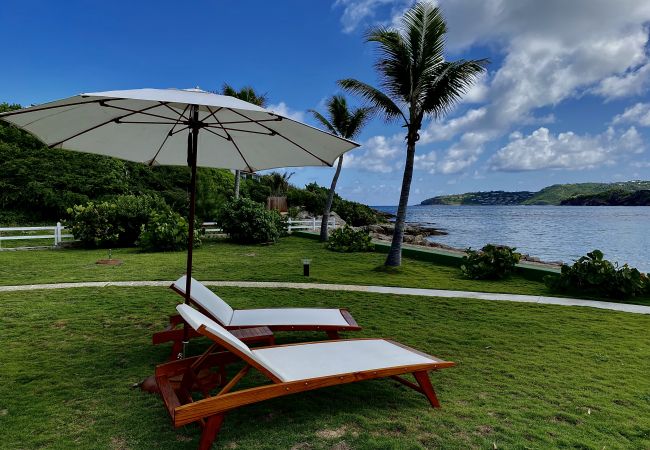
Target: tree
[(345, 123), (417, 82), (249, 95)]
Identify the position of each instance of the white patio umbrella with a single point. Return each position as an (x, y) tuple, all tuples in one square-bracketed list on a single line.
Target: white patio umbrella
[(179, 127)]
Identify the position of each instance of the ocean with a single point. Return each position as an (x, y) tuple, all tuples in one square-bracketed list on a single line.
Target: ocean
[(551, 233)]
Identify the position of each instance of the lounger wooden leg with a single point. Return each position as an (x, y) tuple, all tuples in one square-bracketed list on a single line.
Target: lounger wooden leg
[(177, 347), (425, 384), (333, 335), (210, 430)]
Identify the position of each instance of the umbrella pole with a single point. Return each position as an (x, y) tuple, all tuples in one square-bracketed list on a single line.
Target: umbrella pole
[(192, 150)]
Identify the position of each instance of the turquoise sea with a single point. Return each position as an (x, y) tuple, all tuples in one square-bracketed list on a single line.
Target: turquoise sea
[(552, 233)]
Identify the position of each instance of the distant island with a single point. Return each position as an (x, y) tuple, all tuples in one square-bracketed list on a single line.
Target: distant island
[(626, 193)]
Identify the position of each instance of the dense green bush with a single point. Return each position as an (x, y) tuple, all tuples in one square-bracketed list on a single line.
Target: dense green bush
[(347, 239), (248, 222), (594, 274), (356, 214), (117, 222), (493, 262), (166, 231)]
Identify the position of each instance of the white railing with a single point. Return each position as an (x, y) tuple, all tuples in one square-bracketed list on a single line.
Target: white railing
[(56, 233), (292, 224), (308, 224)]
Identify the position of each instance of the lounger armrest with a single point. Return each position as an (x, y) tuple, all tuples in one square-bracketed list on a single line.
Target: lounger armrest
[(349, 319)]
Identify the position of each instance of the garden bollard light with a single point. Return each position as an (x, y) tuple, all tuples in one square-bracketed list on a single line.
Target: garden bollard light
[(305, 267)]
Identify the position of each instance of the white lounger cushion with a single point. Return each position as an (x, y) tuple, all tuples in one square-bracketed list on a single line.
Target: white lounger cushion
[(195, 319), (287, 316), (299, 362), (207, 299), (222, 311)]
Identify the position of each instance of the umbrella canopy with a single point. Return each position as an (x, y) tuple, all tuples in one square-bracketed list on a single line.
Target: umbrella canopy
[(151, 126), (169, 126)]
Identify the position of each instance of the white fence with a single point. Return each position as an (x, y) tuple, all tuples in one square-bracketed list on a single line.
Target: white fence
[(55, 233), (292, 224)]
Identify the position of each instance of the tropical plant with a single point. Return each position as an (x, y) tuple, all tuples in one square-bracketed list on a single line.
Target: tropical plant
[(249, 95), (277, 182), (347, 240), (594, 274), (493, 262), (346, 123), (166, 231), (417, 82), (113, 223), (248, 222)]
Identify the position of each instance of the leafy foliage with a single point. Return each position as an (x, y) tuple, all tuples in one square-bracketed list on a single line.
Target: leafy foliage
[(248, 222), (314, 197), (113, 223), (594, 274), (347, 239), (166, 231), (493, 262)]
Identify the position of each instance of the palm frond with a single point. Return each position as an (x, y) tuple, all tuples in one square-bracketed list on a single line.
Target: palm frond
[(326, 123), (382, 102), (394, 63), (450, 82), (357, 119)]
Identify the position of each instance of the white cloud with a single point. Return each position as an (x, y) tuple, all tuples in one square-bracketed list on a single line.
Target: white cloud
[(428, 162), (284, 110), (553, 51), (377, 154), (633, 82), (358, 12), (638, 114), (543, 150)]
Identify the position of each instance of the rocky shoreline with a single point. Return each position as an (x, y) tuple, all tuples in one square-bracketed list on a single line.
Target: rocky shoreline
[(417, 233)]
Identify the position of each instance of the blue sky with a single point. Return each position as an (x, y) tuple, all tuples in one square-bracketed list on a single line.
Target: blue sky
[(566, 98)]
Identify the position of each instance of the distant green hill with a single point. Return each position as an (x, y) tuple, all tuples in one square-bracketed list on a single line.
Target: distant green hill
[(481, 198), (551, 195), (613, 197)]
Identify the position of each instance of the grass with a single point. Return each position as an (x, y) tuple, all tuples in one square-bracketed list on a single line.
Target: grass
[(225, 261), (528, 376)]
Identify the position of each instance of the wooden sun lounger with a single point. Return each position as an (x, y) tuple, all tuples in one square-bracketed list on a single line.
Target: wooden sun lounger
[(332, 321), (290, 368)]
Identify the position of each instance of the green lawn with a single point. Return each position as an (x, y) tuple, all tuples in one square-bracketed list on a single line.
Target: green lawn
[(528, 376), (225, 261)]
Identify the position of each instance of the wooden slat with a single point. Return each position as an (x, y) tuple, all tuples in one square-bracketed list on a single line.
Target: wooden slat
[(168, 394), (214, 405)]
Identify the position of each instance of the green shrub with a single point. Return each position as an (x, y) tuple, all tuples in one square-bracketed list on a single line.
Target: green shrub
[(594, 274), (493, 262), (347, 239), (113, 223), (166, 231), (248, 222), (356, 214)]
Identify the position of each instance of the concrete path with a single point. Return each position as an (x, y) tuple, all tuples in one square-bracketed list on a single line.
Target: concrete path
[(636, 309)]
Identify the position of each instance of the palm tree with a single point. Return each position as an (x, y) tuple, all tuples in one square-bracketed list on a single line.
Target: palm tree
[(417, 82), (249, 95), (345, 123)]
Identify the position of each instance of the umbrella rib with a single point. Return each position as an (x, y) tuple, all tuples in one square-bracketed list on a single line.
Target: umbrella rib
[(216, 134), (100, 125), (182, 114), (169, 134), (145, 123), (212, 114), (242, 131), (231, 140), (283, 137), (45, 108), (179, 130), (141, 111)]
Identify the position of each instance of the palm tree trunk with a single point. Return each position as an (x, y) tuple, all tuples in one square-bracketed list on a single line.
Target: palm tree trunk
[(330, 199), (237, 178), (394, 258)]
